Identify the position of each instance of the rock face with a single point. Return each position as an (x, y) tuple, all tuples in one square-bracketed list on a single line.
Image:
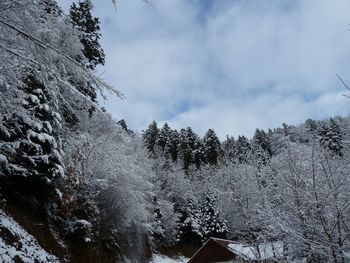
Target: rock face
[(16, 245)]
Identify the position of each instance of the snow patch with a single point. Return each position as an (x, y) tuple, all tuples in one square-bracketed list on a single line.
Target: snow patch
[(16, 244), (165, 259), (261, 252)]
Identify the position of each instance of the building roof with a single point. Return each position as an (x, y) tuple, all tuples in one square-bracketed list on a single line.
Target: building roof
[(221, 250)]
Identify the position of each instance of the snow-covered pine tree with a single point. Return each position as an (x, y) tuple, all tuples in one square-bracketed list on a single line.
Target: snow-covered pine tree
[(261, 148), (261, 138), (172, 146), (190, 226), (197, 153), (89, 27), (211, 148), (229, 149), (163, 136), (311, 125), (243, 149), (51, 8), (189, 148), (122, 123), (29, 142), (260, 157), (330, 137), (212, 225), (157, 222), (150, 136)]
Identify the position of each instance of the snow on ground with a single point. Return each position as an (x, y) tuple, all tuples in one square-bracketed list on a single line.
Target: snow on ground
[(266, 250), (16, 245), (166, 259)]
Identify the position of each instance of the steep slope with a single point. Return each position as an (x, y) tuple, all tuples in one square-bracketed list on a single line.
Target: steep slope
[(16, 245)]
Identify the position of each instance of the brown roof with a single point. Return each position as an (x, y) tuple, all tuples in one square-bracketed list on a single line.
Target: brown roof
[(221, 250), (214, 250)]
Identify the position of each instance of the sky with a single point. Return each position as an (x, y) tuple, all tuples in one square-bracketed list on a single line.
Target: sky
[(230, 65)]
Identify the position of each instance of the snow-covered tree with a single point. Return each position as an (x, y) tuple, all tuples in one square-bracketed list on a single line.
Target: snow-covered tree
[(261, 139), (211, 148), (330, 137), (190, 224), (157, 231), (171, 148), (190, 148), (163, 136), (243, 149), (229, 148), (29, 143), (150, 136), (89, 27), (51, 8), (309, 203), (212, 225)]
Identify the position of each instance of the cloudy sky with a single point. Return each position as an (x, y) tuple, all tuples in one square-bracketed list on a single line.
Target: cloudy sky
[(231, 65)]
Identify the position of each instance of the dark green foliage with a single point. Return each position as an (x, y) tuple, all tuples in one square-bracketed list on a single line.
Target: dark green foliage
[(172, 146), (262, 139), (330, 137), (124, 126), (51, 8), (164, 136), (30, 145), (189, 148), (190, 227), (150, 136), (261, 147), (243, 149), (89, 27), (211, 148)]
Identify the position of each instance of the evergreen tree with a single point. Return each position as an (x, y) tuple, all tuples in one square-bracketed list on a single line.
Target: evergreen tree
[(172, 146), (164, 136), (189, 148), (122, 123), (89, 27), (29, 144), (157, 224), (211, 148), (311, 125), (263, 141), (50, 8), (262, 149), (229, 148), (190, 231), (211, 223), (197, 153), (330, 137), (261, 157), (150, 137), (243, 149)]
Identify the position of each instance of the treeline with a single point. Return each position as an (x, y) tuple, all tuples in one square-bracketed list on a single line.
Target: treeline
[(289, 184), (186, 148)]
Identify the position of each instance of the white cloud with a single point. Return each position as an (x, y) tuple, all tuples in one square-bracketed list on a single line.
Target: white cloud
[(250, 64)]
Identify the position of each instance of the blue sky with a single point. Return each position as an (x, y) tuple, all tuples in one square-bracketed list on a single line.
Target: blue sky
[(231, 65)]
